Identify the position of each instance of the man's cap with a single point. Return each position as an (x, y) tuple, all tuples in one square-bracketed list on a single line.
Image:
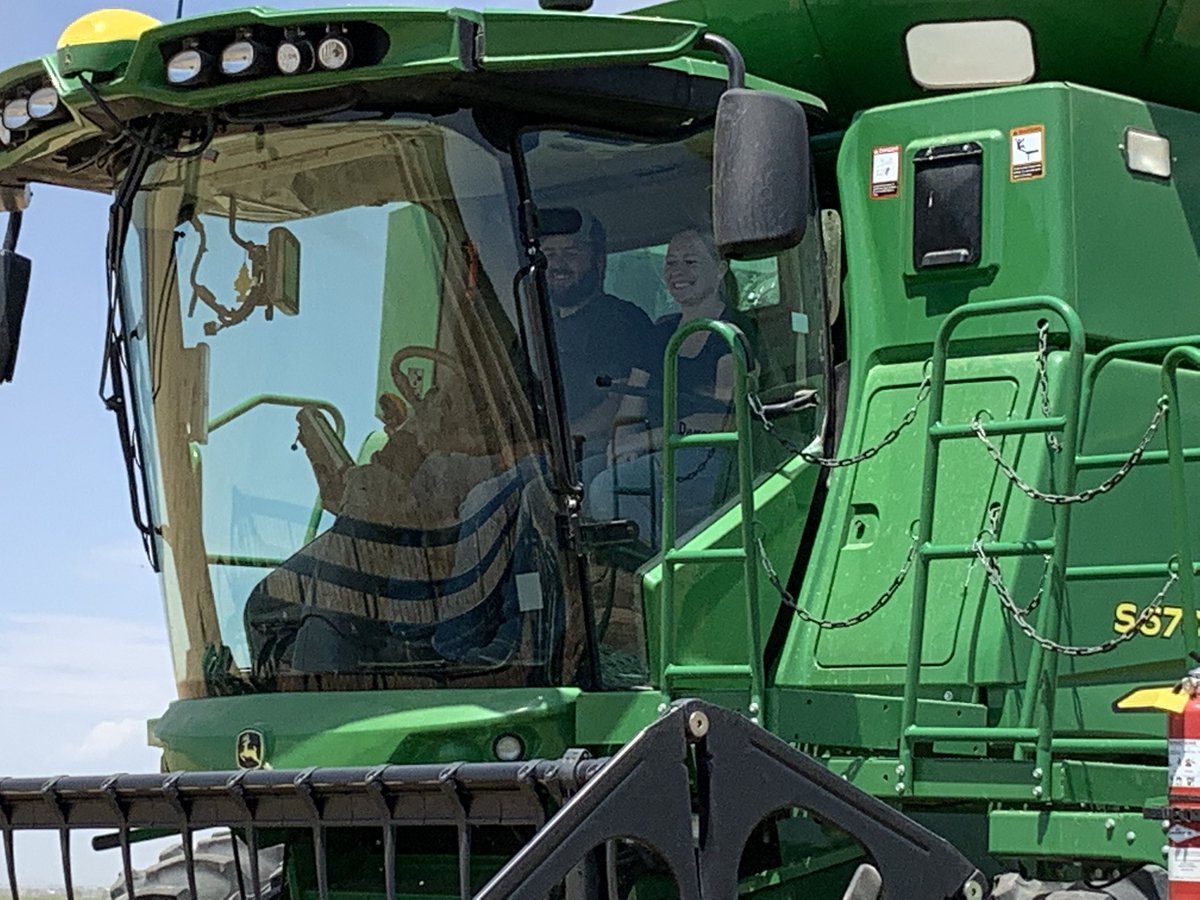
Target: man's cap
[(564, 220)]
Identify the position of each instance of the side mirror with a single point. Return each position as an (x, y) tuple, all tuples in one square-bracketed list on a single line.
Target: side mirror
[(760, 174), (14, 289), (281, 284)]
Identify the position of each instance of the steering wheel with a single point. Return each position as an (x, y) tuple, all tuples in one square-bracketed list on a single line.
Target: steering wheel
[(418, 351)]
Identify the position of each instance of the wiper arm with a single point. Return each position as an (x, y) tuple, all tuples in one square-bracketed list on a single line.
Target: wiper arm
[(115, 365)]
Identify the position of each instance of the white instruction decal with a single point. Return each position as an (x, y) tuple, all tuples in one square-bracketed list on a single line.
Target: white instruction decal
[(1183, 762), (1027, 152), (885, 172)]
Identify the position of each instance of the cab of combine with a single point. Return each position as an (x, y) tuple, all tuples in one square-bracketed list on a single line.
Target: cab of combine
[(489, 382)]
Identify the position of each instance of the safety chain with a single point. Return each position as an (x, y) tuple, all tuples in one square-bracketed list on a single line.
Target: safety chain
[(992, 530), (699, 467), (1043, 381), (1083, 496), (857, 619), (996, 578), (909, 417)]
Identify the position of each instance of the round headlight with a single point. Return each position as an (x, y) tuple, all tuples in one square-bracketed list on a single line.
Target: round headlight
[(508, 748), (334, 53), (294, 57), (43, 103), (187, 66), (240, 58), (16, 114)]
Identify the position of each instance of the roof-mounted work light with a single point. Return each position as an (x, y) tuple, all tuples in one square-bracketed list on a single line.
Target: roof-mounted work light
[(295, 55), (16, 114), (44, 103), (189, 66), (243, 57), (335, 52)]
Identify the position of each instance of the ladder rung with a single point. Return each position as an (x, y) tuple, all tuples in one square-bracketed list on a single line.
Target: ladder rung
[(942, 432), (1123, 570), (922, 733), (964, 551), (708, 671), (1113, 460), (730, 554), (712, 439)]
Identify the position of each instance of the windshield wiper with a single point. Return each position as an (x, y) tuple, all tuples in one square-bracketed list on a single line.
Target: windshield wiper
[(115, 364)]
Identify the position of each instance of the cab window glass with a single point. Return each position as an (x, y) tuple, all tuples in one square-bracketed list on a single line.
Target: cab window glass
[(626, 229)]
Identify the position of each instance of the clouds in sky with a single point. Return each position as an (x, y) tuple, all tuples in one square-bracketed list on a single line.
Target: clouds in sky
[(86, 686)]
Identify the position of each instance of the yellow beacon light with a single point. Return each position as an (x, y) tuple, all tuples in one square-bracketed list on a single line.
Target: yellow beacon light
[(105, 26), (101, 41)]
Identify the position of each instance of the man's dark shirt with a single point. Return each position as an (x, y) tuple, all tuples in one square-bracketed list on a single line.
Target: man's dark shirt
[(603, 340)]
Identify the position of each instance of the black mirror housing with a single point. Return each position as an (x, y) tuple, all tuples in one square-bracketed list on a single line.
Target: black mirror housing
[(14, 289), (760, 174)]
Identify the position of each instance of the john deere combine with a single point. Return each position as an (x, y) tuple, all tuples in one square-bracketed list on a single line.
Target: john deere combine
[(498, 563)]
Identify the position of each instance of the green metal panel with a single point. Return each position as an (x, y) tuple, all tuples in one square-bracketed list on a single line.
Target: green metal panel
[(884, 504), (1124, 836), (834, 718), (711, 604), (1098, 782), (1136, 235), (852, 52), (614, 717), (939, 779), (356, 728)]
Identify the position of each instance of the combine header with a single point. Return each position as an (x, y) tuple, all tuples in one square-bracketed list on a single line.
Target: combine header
[(730, 449)]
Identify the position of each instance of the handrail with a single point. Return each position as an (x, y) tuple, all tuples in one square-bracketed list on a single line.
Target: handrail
[(1179, 498), (1151, 350), (1042, 674), (736, 341), (339, 427), (235, 412)]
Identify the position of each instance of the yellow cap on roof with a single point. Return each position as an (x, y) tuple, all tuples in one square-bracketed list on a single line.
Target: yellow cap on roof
[(106, 25)]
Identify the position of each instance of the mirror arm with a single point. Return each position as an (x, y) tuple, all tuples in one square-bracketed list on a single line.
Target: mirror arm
[(728, 51), (14, 231)]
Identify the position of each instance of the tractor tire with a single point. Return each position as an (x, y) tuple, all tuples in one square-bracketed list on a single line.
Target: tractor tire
[(216, 873)]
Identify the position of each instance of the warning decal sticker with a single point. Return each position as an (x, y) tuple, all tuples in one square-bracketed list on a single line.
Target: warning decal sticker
[(885, 172), (1027, 152)]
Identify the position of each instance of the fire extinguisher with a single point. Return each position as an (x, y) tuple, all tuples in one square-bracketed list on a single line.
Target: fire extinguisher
[(1181, 703), (1183, 783)]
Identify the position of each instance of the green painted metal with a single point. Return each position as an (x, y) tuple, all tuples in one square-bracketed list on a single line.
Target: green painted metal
[(747, 554), (368, 727), (852, 52), (612, 718), (1123, 836), (830, 718)]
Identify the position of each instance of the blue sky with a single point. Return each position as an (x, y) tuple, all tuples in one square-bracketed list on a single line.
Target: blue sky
[(83, 643)]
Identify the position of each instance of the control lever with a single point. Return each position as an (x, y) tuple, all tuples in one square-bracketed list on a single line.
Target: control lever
[(326, 454)]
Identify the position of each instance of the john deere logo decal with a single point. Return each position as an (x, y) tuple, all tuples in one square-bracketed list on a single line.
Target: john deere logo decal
[(250, 749)]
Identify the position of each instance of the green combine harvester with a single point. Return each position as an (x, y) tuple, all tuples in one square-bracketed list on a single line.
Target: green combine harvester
[(734, 449)]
